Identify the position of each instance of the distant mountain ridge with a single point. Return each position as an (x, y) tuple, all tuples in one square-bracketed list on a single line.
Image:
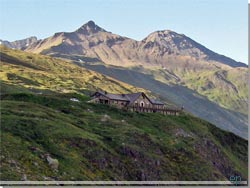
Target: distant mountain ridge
[(159, 45), (19, 44), (161, 42), (167, 60), (179, 44)]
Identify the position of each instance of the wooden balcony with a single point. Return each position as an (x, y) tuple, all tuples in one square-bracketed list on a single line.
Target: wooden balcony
[(164, 110)]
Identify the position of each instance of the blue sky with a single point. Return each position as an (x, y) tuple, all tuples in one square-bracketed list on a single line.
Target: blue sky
[(220, 25)]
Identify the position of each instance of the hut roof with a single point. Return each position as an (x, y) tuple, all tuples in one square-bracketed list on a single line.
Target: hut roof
[(129, 97)]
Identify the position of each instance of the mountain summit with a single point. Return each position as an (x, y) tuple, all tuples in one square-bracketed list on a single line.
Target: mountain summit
[(89, 28), (158, 48), (172, 43)]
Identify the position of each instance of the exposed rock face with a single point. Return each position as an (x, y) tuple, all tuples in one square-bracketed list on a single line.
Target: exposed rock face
[(90, 28), (136, 164), (182, 133), (215, 156)]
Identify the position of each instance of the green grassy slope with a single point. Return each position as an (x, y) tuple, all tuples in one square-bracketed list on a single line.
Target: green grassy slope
[(228, 88), (193, 102), (95, 142), (41, 73)]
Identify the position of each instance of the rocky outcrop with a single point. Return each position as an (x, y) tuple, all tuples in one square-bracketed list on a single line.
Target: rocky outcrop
[(53, 163), (105, 118), (216, 157)]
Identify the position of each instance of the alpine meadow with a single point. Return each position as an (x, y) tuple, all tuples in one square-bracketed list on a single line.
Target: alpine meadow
[(91, 105)]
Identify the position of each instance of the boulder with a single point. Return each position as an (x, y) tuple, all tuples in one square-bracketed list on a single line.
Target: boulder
[(105, 118), (53, 163), (24, 177)]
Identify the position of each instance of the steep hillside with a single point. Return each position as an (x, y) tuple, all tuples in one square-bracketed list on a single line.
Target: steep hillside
[(43, 73), (193, 65), (171, 59), (179, 60), (84, 141), (49, 131), (192, 101)]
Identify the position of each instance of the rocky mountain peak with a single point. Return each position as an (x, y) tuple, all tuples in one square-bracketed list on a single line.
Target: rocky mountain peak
[(90, 28), (165, 38), (166, 41), (163, 34), (159, 45), (91, 24)]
